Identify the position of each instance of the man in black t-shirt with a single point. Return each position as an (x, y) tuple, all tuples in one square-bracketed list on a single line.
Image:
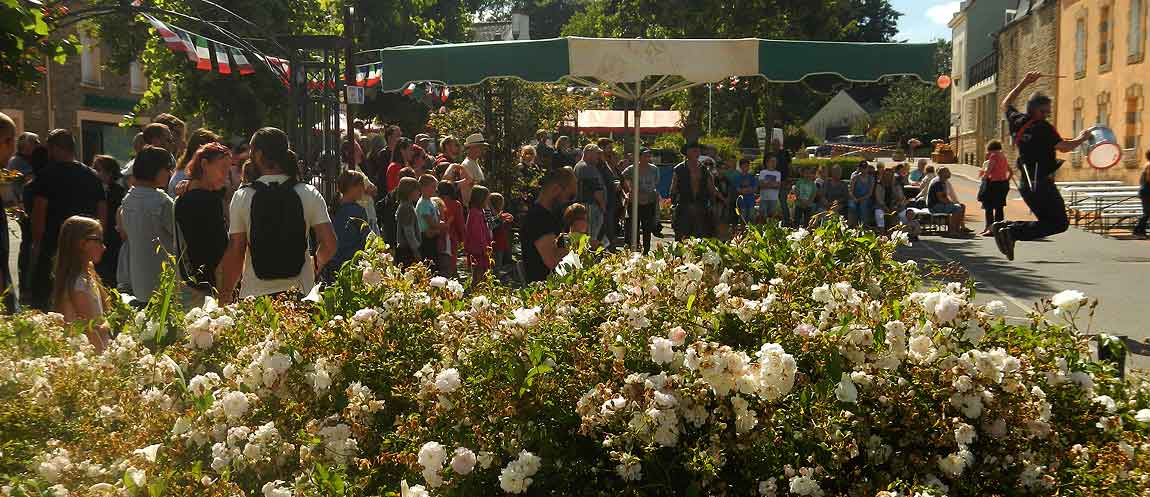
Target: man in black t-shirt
[(1037, 143), (540, 229), (65, 188)]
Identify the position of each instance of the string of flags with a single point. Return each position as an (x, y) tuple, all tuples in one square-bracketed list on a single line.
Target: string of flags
[(230, 59), (199, 49)]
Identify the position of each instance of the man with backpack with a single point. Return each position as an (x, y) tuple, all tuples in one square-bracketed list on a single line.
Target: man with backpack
[(270, 221)]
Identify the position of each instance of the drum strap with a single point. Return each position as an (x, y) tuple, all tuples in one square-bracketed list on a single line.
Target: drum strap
[(1017, 140), (1018, 135)]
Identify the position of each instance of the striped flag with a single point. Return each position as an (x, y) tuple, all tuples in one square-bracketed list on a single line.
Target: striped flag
[(361, 75), (203, 54), (171, 39), (242, 64), (189, 45), (222, 61), (375, 74)]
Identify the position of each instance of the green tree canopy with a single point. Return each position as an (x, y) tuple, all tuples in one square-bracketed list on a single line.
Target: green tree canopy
[(26, 43), (914, 109)]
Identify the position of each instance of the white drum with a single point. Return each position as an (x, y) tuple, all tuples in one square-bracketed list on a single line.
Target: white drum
[(1102, 148)]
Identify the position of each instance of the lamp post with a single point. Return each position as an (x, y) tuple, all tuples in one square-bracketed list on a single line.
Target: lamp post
[(349, 60)]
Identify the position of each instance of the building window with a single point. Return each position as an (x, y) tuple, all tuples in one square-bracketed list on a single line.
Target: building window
[(1133, 134), (139, 81), (1136, 39), (1080, 48), (1104, 109), (90, 70), (1105, 39)]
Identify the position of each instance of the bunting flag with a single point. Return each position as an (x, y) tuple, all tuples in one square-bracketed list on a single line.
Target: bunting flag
[(409, 89), (282, 65), (189, 46), (222, 61), (242, 65), (203, 54), (171, 39), (375, 74), (361, 76), (446, 93)]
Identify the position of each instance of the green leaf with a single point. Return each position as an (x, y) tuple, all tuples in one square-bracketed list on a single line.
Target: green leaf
[(690, 302)]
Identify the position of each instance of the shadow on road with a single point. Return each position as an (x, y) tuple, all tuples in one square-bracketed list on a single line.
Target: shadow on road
[(989, 270)]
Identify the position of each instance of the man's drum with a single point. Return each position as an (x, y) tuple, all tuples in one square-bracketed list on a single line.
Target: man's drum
[(1102, 148)]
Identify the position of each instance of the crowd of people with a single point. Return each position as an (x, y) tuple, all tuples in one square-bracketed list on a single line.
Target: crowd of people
[(238, 220)]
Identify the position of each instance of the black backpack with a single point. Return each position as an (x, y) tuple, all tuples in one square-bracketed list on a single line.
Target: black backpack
[(278, 233)]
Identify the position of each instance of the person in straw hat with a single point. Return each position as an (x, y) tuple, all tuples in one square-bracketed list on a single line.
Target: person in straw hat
[(468, 173)]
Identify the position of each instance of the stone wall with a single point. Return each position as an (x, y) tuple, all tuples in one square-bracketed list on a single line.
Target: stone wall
[(1030, 43)]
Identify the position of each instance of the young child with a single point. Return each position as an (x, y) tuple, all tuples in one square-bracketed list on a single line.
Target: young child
[(149, 220), (769, 180), (477, 240), (430, 221), (500, 223), (806, 195), (578, 226), (349, 220), (745, 186), (453, 216), (995, 184), (408, 237), (76, 292)]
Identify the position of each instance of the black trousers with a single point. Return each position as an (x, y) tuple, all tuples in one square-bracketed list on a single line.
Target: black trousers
[(1047, 205)]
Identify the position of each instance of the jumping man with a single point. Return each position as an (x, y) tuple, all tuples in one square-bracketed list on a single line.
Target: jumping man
[(1037, 142)]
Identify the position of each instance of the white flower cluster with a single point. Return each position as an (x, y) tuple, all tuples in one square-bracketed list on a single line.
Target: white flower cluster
[(942, 306), (338, 445), (433, 455), (629, 468), (361, 403), (320, 374), (439, 385), (204, 323), (726, 370), (1067, 302), (451, 285), (517, 476), (837, 296), (805, 484), (687, 279), (265, 367), (243, 447)]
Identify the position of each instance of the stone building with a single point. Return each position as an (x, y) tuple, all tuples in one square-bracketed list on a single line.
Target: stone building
[(84, 96), (1103, 58), (974, 88), (1028, 42)]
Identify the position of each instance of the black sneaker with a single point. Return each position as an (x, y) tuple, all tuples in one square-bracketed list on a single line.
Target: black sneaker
[(1005, 239), (995, 229)]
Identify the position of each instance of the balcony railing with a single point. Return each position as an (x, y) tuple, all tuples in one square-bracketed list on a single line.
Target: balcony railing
[(982, 70)]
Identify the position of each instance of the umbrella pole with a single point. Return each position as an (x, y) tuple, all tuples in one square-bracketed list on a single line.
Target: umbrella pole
[(635, 170)]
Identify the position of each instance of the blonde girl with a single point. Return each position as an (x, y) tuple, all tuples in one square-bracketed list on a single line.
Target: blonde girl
[(77, 293)]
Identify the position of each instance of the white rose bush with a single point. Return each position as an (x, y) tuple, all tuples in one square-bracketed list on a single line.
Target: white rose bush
[(812, 365)]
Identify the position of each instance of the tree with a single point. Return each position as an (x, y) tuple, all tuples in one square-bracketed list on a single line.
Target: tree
[(914, 109), (26, 43)]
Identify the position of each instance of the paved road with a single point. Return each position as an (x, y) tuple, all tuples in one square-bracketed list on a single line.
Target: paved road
[(1114, 270)]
